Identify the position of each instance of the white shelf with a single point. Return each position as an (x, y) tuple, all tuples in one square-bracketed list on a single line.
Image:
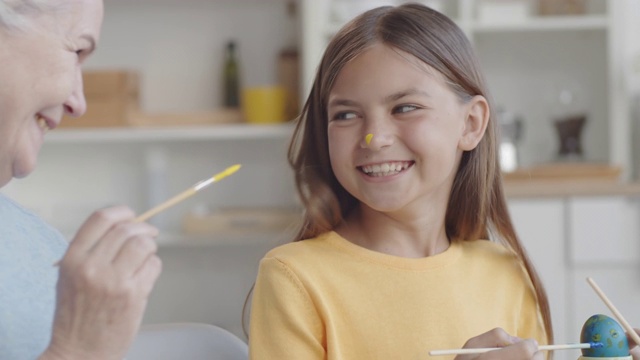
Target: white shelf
[(167, 134), (547, 23), (332, 28)]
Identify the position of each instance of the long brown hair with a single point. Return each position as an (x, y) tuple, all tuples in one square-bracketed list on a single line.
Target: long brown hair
[(477, 206)]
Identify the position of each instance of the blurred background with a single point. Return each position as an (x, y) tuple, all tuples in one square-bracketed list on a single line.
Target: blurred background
[(180, 90)]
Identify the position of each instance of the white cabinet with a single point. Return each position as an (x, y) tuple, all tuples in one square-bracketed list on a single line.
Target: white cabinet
[(603, 231), (572, 238), (530, 61), (603, 243), (540, 226)]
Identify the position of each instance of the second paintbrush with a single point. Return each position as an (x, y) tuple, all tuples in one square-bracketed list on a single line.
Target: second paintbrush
[(542, 347)]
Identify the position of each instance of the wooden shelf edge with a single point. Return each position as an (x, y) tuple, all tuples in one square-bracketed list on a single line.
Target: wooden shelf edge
[(223, 239), (569, 188), (169, 133)]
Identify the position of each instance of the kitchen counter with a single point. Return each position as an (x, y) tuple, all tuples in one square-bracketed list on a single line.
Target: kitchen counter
[(567, 179), (568, 187)]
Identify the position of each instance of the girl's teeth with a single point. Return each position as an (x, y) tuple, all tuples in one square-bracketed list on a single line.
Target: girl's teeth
[(385, 169)]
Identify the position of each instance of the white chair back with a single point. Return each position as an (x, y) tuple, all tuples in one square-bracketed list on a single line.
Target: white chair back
[(187, 341)]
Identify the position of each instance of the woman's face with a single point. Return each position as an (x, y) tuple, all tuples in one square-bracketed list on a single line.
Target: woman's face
[(420, 129), (41, 79)]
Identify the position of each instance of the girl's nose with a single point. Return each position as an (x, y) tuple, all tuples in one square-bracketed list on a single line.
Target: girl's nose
[(367, 139), (376, 141), (76, 104)]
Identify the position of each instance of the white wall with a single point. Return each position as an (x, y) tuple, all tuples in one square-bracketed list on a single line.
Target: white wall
[(550, 63), (178, 46)]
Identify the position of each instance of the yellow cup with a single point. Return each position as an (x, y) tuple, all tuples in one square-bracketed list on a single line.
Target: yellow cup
[(264, 104)]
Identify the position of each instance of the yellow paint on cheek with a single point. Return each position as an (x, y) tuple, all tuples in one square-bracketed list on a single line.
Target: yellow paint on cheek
[(368, 138)]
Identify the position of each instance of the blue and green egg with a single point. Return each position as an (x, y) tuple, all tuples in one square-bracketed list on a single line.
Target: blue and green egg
[(605, 330)]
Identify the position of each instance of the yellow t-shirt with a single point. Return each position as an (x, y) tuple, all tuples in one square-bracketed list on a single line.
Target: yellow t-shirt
[(326, 298)]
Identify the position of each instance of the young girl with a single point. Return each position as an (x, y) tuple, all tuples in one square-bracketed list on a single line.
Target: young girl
[(407, 245)]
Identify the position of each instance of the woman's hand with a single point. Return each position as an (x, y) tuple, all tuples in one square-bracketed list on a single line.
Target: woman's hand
[(106, 277), (512, 348)]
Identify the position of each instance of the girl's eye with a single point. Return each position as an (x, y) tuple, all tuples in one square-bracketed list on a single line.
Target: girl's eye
[(404, 108), (345, 115)]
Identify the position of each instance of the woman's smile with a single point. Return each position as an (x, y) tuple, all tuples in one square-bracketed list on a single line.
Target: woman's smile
[(44, 124)]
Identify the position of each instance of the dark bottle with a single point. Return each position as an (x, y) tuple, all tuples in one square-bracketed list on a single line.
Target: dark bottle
[(231, 81)]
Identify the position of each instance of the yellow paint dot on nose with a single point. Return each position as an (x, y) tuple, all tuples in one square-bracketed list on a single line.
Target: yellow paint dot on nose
[(368, 138)]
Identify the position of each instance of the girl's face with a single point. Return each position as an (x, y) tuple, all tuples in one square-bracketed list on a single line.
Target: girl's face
[(41, 79), (420, 129)]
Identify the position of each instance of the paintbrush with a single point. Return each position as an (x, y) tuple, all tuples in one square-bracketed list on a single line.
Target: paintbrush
[(187, 193), (183, 195), (542, 347), (625, 324)]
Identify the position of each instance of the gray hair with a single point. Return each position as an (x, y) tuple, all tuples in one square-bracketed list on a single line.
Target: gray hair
[(17, 14)]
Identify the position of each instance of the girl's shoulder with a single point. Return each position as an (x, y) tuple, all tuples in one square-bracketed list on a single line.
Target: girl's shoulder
[(486, 246), (493, 257), (488, 251), (301, 248)]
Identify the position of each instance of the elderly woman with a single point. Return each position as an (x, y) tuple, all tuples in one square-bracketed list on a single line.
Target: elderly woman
[(91, 306)]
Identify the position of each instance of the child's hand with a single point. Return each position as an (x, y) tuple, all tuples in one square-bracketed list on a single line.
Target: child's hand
[(513, 348)]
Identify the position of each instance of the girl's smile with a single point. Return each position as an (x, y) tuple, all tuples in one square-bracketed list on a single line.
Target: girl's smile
[(395, 122), (385, 169)]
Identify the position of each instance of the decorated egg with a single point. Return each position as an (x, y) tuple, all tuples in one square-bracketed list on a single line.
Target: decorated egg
[(605, 330)]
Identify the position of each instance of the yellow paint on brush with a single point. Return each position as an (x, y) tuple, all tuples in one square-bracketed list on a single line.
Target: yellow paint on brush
[(368, 139), (183, 195), (189, 192), (228, 171)]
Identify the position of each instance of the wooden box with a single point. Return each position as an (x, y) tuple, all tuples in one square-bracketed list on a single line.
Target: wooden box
[(201, 118), (112, 99), (561, 7)]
